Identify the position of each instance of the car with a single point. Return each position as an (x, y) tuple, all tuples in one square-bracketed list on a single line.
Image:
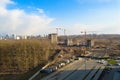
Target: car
[(73, 57), (58, 65), (67, 61), (110, 68), (109, 65), (62, 63), (118, 58), (71, 60), (100, 61), (77, 58), (118, 64), (108, 71), (53, 67), (118, 71), (46, 70)]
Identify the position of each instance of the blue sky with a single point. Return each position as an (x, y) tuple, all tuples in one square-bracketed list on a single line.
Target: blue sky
[(43, 16)]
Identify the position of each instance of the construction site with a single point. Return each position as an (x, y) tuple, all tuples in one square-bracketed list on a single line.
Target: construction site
[(48, 55)]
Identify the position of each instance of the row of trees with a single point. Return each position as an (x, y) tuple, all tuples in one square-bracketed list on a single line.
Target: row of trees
[(22, 55)]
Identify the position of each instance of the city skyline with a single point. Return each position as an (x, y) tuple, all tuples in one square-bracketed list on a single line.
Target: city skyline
[(44, 16)]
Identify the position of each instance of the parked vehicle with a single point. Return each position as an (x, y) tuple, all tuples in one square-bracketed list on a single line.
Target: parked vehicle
[(73, 57), (60, 64), (101, 61), (67, 61), (108, 71), (46, 70), (118, 64), (118, 71), (71, 60), (54, 68), (77, 58), (109, 65), (118, 58)]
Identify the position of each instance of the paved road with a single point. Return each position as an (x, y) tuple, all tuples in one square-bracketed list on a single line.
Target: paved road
[(113, 74), (74, 71), (98, 73), (92, 73), (81, 72), (116, 76), (62, 73)]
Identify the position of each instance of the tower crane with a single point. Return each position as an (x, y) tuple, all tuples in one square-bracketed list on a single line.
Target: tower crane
[(85, 33), (64, 30)]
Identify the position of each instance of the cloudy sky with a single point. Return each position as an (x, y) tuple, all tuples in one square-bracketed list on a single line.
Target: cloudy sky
[(33, 17)]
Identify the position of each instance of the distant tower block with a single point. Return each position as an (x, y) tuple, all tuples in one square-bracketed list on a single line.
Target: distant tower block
[(53, 38), (90, 43), (69, 42)]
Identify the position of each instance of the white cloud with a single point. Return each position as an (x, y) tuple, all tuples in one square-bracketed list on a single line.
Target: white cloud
[(6, 2), (3, 3), (19, 22), (40, 10)]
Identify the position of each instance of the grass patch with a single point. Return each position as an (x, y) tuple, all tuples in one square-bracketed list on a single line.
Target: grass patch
[(112, 62)]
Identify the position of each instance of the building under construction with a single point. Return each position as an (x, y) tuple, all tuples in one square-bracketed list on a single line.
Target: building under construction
[(90, 43), (68, 42), (53, 38)]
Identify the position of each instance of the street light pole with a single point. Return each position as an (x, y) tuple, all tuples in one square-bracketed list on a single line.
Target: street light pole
[(85, 63)]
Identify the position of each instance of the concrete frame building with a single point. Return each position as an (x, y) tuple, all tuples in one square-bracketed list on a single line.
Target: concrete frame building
[(53, 38), (90, 43), (68, 42)]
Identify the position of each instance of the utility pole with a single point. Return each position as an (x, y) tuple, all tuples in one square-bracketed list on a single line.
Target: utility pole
[(85, 44)]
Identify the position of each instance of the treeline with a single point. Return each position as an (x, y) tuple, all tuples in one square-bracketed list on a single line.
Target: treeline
[(23, 55)]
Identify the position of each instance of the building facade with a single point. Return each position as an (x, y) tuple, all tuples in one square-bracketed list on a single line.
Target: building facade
[(53, 38)]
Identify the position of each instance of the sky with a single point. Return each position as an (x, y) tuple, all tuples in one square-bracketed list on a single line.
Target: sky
[(40, 17)]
